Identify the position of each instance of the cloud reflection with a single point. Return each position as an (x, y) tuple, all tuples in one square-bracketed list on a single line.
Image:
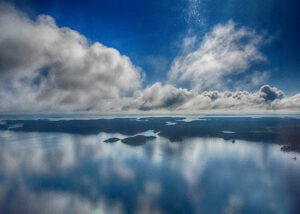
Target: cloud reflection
[(63, 173)]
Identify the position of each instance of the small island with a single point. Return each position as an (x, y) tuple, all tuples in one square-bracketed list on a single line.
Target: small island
[(137, 140), (112, 140)]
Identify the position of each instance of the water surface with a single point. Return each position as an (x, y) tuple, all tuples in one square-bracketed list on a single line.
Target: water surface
[(44, 172)]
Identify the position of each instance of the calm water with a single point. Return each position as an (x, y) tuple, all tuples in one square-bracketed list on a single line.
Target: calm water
[(65, 173)]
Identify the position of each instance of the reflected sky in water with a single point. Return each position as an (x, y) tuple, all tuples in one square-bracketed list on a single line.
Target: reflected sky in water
[(65, 173)]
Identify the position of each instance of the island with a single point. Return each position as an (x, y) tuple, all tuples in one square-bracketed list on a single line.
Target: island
[(137, 140), (112, 140)]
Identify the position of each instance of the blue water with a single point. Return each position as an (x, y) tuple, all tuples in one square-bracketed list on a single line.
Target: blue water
[(66, 173)]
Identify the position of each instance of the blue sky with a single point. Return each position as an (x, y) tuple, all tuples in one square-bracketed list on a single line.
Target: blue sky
[(151, 32), (156, 35)]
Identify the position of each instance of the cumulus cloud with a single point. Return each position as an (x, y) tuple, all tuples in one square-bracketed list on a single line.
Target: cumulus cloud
[(289, 103), (269, 93), (48, 66), (224, 52), (158, 96), (169, 98), (232, 101)]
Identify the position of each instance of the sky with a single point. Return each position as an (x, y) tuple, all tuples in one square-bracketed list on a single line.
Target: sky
[(141, 56)]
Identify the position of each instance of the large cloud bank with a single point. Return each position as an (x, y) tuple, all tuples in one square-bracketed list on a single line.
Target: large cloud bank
[(55, 68), (167, 97), (46, 68)]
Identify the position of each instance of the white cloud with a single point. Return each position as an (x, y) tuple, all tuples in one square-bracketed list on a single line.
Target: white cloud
[(223, 53), (289, 103), (170, 99), (46, 67), (158, 96)]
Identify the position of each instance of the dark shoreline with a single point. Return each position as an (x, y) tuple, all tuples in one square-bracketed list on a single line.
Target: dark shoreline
[(282, 131)]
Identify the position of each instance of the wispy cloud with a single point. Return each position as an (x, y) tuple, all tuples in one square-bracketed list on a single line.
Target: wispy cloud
[(224, 52)]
